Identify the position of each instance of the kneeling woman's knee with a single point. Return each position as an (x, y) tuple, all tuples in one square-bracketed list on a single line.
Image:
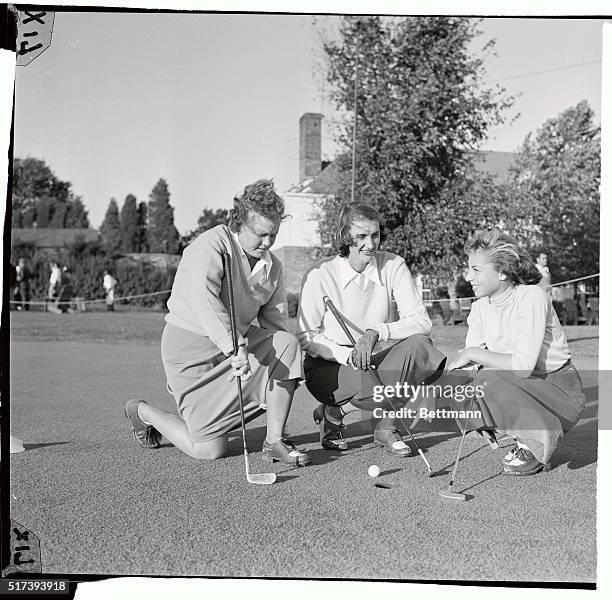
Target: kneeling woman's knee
[(212, 450)]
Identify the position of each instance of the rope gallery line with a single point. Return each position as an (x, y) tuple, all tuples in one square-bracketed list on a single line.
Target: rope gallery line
[(135, 296), (552, 285)]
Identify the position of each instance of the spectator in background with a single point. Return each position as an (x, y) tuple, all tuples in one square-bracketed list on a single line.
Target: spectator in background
[(542, 266), (13, 291), (66, 291), (24, 278), (60, 303), (418, 283), (109, 284), (441, 304), (55, 280)]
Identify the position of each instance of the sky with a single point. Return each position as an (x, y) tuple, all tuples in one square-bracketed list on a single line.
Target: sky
[(212, 102)]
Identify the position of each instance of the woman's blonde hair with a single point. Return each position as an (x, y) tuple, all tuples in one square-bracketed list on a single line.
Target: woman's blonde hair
[(506, 255)]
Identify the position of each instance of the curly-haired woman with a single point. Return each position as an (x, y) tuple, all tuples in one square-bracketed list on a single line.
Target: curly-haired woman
[(197, 348)]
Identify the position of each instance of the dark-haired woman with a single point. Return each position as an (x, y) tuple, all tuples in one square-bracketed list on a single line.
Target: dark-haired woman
[(531, 391), (197, 348), (376, 295)]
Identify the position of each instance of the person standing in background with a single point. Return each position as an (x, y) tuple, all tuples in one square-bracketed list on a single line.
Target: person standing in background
[(109, 284), (13, 291), (542, 266), (24, 277), (55, 280)]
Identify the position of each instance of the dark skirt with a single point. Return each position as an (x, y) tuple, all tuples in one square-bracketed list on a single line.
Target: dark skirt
[(413, 360), (537, 410)]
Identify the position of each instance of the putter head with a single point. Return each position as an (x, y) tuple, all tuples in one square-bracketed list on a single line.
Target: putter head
[(450, 495), (261, 478)]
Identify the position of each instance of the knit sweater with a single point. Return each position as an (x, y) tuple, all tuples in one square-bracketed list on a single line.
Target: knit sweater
[(521, 322), (199, 301)]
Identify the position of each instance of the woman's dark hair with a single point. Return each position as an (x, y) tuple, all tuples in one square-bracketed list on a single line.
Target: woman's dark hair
[(506, 255), (355, 211), (259, 197)]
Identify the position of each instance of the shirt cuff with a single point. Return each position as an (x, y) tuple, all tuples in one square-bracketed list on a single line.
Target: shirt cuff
[(382, 330)]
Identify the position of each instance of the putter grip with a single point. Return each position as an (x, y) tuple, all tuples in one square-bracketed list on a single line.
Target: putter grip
[(227, 268)]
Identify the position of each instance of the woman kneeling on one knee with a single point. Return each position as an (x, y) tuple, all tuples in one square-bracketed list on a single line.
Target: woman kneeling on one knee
[(375, 294), (197, 346)]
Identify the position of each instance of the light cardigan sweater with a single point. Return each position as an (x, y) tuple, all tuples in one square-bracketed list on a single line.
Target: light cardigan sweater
[(383, 298), (523, 323), (199, 299)]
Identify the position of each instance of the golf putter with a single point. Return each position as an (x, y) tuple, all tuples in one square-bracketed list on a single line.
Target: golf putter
[(256, 478), (450, 494), (328, 302)]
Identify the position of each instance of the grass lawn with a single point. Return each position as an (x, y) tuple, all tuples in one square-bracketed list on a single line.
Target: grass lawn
[(146, 327), (101, 504)]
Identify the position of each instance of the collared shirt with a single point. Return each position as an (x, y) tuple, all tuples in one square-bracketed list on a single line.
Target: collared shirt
[(362, 281), (260, 272), (383, 298)]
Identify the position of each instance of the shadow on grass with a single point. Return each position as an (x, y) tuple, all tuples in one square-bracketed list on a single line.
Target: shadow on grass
[(578, 447), (42, 445), (580, 339)]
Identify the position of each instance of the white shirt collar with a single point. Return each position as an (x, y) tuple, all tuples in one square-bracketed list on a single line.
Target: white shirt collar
[(348, 274), (265, 262)]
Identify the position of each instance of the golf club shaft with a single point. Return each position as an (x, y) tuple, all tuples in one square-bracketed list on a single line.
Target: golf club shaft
[(454, 471), (227, 266), (376, 376)]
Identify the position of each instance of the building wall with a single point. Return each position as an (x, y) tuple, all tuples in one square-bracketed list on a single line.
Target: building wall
[(301, 229)]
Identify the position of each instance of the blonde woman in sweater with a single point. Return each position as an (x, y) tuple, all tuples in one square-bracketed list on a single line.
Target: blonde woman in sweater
[(376, 295), (531, 389), (197, 349)]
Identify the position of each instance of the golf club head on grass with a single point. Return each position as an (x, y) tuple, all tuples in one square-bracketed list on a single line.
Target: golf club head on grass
[(261, 478), (450, 495)]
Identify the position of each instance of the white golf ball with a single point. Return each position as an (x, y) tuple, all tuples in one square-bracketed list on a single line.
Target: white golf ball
[(374, 471)]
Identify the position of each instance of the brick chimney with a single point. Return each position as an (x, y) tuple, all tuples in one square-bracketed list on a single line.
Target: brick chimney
[(310, 145)]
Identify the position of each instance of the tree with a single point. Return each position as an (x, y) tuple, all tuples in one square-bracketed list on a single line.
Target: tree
[(40, 199), (110, 229), (44, 211), (58, 220), (77, 215), (162, 234), (129, 225), (421, 112), (555, 192), (207, 220), (142, 236)]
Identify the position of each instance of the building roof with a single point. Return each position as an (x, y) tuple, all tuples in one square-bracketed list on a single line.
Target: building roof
[(156, 259), (51, 238), (489, 161)]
